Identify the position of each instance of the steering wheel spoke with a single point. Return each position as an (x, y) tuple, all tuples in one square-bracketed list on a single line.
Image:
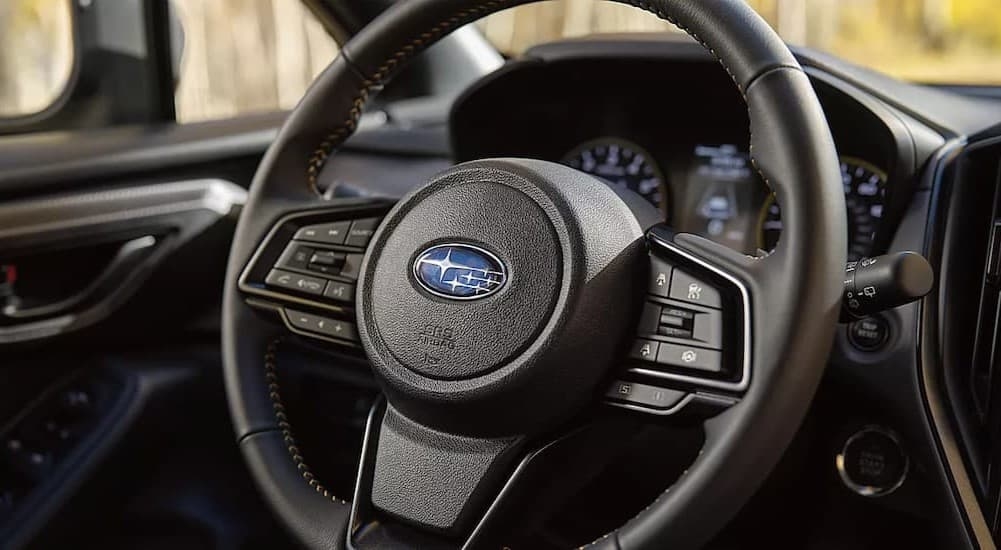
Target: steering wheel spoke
[(305, 271), (486, 488), (406, 466)]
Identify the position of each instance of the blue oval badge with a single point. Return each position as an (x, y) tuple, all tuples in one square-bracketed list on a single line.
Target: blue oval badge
[(459, 271)]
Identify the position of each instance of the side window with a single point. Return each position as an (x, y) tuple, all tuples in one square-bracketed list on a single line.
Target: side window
[(246, 56), (36, 55)]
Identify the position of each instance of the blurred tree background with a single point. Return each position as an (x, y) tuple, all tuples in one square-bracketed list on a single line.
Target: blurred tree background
[(942, 41), (35, 60), (245, 56)]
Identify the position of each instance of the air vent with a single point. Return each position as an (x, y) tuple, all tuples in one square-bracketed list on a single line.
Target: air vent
[(970, 301)]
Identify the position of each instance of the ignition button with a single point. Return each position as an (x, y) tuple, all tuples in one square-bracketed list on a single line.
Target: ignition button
[(872, 462)]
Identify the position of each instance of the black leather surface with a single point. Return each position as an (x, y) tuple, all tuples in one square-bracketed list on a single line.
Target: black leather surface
[(796, 295), (318, 521), (436, 479)]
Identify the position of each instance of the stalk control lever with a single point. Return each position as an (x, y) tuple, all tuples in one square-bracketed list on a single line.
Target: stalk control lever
[(884, 282)]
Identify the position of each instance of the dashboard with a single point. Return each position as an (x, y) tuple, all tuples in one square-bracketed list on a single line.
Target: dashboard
[(676, 132)]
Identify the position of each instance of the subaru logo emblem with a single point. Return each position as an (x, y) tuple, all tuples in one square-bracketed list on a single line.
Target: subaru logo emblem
[(459, 271)]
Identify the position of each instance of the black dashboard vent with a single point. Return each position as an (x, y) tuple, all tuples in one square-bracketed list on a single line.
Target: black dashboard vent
[(970, 302), (987, 343)]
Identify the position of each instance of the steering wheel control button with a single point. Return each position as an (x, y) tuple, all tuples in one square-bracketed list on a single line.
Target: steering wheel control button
[(326, 233), (327, 262), (686, 288), (690, 357), (678, 321), (342, 292), (296, 256), (872, 462), (327, 258), (869, 334), (644, 350), (295, 282), (361, 232), (316, 324), (644, 395), (675, 316), (660, 277)]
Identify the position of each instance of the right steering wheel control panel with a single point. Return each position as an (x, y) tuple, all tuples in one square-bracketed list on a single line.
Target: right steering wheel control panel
[(691, 341)]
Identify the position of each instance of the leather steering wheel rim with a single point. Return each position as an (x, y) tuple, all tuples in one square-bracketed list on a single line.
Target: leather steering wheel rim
[(791, 147)]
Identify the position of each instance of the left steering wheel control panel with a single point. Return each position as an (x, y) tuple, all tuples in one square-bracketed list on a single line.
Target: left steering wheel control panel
[(307, 270)]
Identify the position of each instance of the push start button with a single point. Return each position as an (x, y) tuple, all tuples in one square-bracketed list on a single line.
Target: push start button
[(872, 462)]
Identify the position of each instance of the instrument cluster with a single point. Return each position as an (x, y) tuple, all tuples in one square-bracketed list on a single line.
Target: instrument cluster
[(718, 194), (676, 131)]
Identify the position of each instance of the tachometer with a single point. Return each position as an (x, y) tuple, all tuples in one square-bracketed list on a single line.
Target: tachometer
[(622, 163), (865, 194)]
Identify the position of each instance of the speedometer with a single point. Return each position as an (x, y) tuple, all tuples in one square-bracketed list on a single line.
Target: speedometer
[(865, 195), (624, 164)]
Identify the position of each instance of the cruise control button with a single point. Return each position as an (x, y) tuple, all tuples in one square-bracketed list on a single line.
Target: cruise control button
[(686, 288), (674, 332), (361, 231), (643, 394), (337, 329), (677, 313), (342, 292), (660, 277), (321, 325), (327, 233), (327, 257), (296, 282), (644, 349), (690, 357), (326, 261), (672, 320)]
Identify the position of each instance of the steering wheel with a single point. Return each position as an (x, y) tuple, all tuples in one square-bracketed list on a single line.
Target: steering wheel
[(499, 304)]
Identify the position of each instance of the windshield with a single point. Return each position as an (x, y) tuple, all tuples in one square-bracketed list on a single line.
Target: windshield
[(934, 41)]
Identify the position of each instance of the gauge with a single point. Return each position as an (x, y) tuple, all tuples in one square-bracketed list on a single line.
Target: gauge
[(865, 195), (621, 163)]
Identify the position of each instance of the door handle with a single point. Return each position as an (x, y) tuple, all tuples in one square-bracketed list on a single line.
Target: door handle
[(123, 263)]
